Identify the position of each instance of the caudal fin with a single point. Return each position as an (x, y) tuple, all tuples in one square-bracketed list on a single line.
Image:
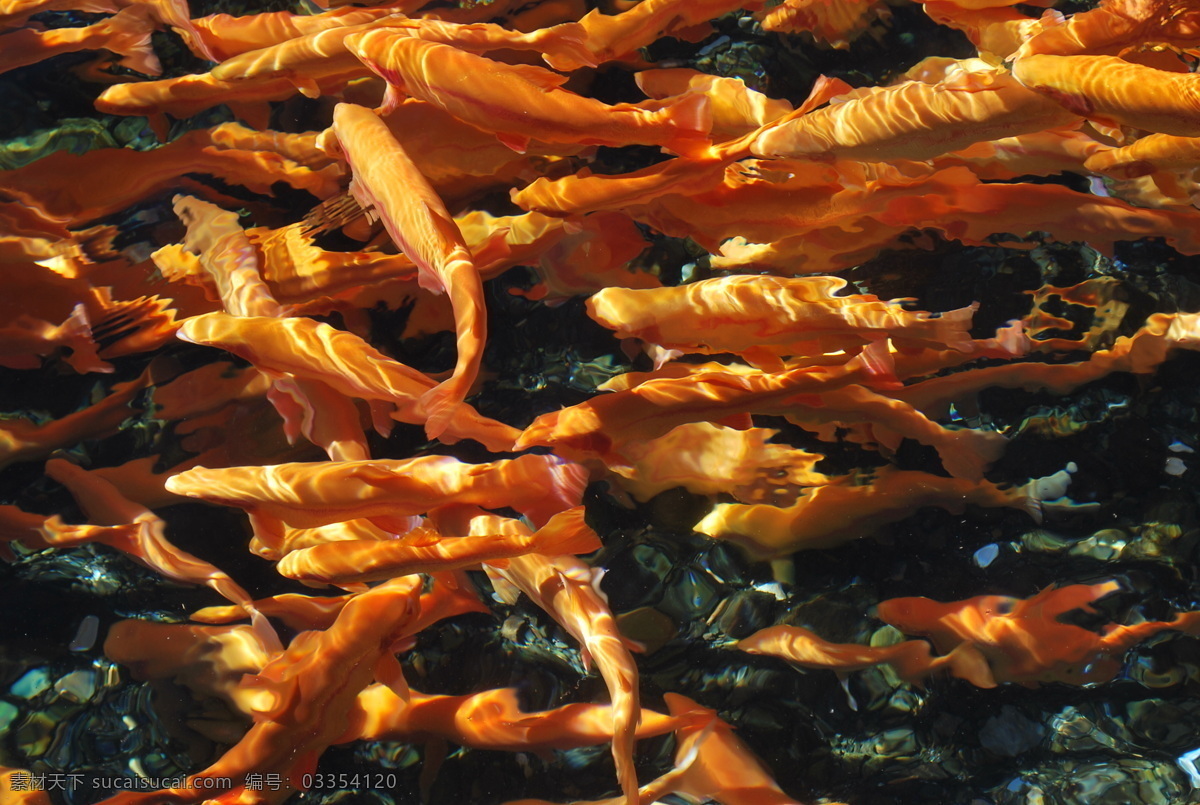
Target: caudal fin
[(439, 405), (129, 35), (76, 334), (567, 533), (565, 47), (691, 117)]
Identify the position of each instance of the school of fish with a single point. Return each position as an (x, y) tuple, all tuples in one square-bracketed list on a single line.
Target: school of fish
[(449, 145)]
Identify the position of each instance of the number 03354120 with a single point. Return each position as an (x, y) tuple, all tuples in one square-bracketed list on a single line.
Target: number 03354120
[(378, 780)]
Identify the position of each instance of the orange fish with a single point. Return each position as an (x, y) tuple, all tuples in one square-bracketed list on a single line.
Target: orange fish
[(386, 178), (607, 37), (348, 364), (520, 102), (1023, 640), (230, 263), (711, 762), (707, 459), (492, 719), (1116, 92), (835, 23), (765, 318), (586, 192), (567, 589), (23, 440), (915, 120), (141, 534), (424, 551), (1114, 26), (602, 426), (225, 36), (188, 95), (312, 494), (25, 340), (1154, 152), (736, 109), (913, 660), (831, 515), (208, 660), (324, 52), (80, 188), (127, 33), (304, 698)]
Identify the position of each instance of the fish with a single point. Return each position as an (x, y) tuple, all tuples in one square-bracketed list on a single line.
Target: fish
[(230, 262), (188, 95), (490, 719), (830, 515), (607, 37), (23, 440), (916, 120), (764, 318), (308, 494), (77, 189), (522, 102), (386, 179), (26, 340), (127, 33), (1147, 155), (424, 551), (1023, 641), (567, 589), (602, 426), (1114, 92), (912, 660), (303, 697), (208, 660), (345, 362), (142, 535), (1115, 26), (305, 58)]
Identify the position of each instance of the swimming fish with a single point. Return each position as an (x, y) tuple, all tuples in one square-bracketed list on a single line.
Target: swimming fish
[(387, 179), (521, 102)]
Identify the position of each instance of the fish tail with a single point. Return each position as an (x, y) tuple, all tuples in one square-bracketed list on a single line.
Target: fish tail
[(1046, 492), (76, 334), (567, 533), (877, 363), (967, 453), (953, 327), (129, 35), (691, 117), (565, 47), (439, 405)]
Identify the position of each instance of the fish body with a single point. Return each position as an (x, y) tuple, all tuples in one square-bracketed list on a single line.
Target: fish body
[(305, 696), (564, 587), (915, 120), (491, 719), (317, 493), (750, 314), (602, 426), (832, 515), (1115, 92), (426, 551), (1023, 640), (345, 362), (520, 102), (912, 659), (386, 178), (127, 33)]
